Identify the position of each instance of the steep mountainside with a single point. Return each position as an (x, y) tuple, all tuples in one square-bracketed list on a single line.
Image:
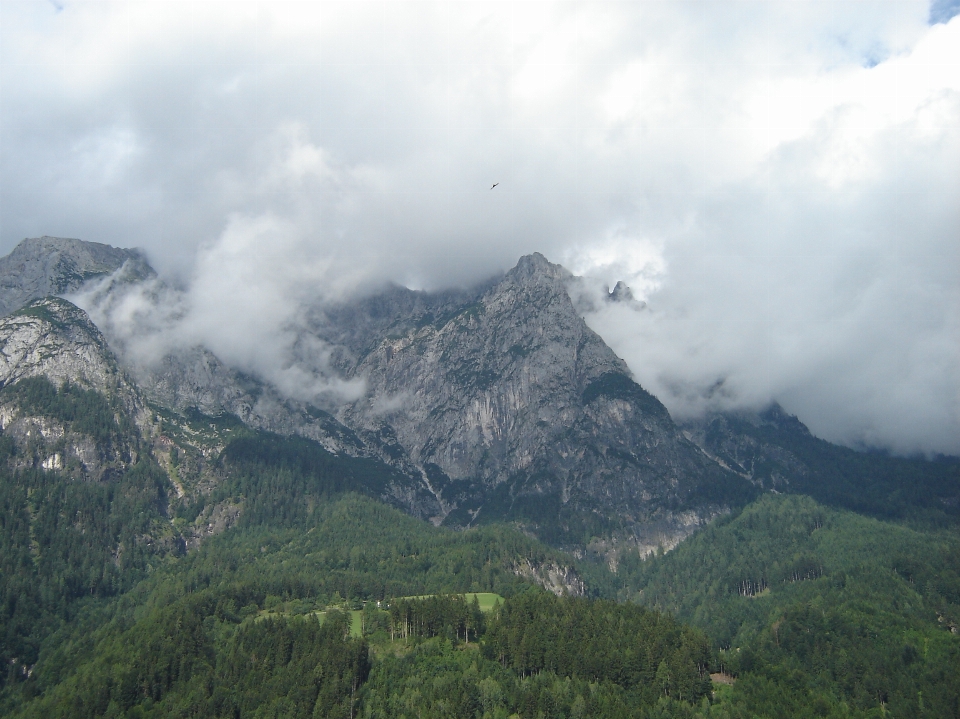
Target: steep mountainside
[(44, 266), (516, 409), (55, 366), (196, 379), (197, 386)]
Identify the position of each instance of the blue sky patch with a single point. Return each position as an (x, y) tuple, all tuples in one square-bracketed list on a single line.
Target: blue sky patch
[(941, 11)]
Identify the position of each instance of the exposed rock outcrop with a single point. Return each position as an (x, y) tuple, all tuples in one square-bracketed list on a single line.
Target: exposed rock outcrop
[(54, 340), (561, 580)]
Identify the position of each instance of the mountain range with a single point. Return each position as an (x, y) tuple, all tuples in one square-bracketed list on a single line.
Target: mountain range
[(492, 404), (179, 537)]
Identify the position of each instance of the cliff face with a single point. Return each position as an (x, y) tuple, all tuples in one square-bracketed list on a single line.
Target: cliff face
[(514, 408), (55, 339), (65, 402), (478, 391)]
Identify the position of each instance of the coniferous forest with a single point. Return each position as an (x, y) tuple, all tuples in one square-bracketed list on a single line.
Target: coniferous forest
[(323, 602)]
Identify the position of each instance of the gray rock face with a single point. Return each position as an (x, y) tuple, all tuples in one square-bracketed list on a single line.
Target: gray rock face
[(561, 580), (44, 266), (516, 409), (478, 391), (52, 338), (55, 339), (197, 380)]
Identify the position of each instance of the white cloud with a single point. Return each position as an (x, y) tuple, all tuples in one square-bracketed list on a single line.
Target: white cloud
[(778, 179)]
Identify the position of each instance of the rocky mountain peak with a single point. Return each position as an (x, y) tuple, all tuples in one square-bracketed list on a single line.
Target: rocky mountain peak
[(515, 408), (43, 266), (496, 402), (621, 293), (537, 268)]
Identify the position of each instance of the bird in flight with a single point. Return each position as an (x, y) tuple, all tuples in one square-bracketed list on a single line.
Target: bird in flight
[(494, 185)]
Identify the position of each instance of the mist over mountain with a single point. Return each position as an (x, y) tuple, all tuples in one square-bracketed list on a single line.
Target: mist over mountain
[(258, 315), (789, 221), (492, 403)]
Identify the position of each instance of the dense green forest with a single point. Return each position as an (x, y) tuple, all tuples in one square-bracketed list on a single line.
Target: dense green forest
[(801, 609), (173, 644), (67, 544), (818, 609)]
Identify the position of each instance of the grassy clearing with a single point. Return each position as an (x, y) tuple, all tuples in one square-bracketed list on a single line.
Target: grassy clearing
[(487, 600)]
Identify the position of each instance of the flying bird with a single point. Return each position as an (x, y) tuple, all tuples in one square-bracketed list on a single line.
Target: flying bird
[(494, 185)]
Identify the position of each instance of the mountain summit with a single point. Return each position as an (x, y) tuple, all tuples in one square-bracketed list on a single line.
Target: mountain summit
[(515, 409), (43, 266)]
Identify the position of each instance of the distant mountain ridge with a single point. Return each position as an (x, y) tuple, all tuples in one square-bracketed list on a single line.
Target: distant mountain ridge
[(775, 451), (43, 266)]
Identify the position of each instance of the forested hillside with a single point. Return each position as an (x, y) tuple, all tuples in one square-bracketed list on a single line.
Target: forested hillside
[(231, 629), (817, 609), (797, 609), (68, 544)]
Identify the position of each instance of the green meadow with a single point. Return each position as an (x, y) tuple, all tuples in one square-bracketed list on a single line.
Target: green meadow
[(487, 600)]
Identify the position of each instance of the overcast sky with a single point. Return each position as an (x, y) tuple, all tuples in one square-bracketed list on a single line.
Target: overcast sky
[(780, 181)]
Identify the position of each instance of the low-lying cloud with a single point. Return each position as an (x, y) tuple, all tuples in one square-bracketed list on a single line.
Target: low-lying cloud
[(777, 181)]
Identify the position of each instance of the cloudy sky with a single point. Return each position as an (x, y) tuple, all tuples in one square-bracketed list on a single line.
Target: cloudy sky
[(780, 181)]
